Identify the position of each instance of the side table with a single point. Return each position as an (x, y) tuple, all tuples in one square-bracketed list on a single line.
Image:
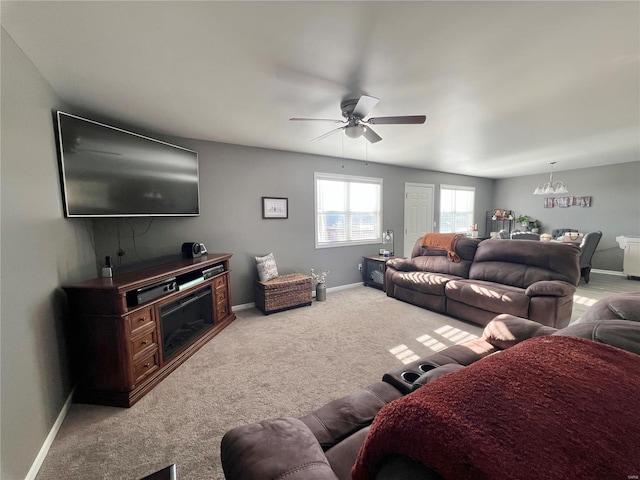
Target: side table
[(373, 270)]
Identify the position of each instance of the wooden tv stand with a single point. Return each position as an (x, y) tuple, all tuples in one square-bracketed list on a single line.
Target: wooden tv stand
[(116, 339)]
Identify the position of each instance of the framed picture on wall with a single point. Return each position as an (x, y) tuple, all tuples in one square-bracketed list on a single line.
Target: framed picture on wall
[(275, 207), (583, 201)]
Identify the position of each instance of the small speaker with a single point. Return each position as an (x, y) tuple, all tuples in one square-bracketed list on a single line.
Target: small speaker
[(193, 250)]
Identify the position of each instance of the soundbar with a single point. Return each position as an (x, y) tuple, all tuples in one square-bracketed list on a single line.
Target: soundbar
[(151, 292)]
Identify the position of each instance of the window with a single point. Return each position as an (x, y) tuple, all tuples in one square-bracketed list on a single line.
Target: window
[(456, 208), (348, 210)]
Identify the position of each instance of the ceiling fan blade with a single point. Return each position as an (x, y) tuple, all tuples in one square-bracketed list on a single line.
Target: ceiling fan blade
[(407, 119), (370, 135), (329, 133), (364, 106), (317, 120)]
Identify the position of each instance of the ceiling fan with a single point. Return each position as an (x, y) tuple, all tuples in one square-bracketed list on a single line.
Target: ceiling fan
[(355, 126)]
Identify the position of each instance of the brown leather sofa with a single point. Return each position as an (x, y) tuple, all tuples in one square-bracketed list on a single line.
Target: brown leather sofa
[(327, 443), (525, 278)]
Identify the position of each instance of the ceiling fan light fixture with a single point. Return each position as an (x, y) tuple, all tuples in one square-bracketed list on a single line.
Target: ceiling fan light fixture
[(551, 187), (354, 111), (354, 131)]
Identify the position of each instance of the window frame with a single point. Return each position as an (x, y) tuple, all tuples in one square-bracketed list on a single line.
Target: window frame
[(319, 176), (440, 211)]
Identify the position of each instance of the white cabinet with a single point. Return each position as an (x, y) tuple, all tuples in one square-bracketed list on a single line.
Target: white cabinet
[(631, 246)]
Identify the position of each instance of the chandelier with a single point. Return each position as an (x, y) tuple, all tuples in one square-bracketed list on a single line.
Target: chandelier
[(551, 187)]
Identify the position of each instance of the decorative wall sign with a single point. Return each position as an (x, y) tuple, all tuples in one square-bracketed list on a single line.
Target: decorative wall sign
[(564, 202), (275, 207)]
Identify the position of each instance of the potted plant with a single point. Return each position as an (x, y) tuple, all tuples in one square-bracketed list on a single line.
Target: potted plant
[(535, 226), (523, 220), (321, 287)]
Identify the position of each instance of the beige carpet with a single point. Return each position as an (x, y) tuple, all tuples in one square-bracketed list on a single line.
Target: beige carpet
[(259, 367)]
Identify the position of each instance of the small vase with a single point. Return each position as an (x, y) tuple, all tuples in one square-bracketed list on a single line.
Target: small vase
[(321, 292)]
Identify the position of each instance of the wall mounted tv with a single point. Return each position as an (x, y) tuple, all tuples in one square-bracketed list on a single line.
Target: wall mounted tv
[(109, 172)]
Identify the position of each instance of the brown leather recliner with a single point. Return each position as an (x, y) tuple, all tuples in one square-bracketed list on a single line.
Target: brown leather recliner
[(528, 279), (326, 443)]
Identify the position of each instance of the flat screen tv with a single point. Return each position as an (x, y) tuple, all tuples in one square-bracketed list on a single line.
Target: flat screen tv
[(109, 172)]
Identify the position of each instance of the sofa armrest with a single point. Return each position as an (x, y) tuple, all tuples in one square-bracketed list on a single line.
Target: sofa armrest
[(402, 264), (275, 448), (340, 418), (505, 330), (550, 288)]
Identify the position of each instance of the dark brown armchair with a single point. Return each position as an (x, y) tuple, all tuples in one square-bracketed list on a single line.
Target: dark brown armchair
[(587, 249)]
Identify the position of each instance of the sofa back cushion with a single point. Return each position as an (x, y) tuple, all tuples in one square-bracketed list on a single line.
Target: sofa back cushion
[(435, 260), (521, 263)]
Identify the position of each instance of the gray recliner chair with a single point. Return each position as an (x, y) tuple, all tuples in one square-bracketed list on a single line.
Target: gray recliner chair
[(587, 249)]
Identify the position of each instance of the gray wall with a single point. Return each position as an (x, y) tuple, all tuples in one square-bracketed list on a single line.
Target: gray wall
[(233, 180), (615, 205), (40, 250)]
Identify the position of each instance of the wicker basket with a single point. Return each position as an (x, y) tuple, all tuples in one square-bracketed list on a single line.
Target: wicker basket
[(282, 293)]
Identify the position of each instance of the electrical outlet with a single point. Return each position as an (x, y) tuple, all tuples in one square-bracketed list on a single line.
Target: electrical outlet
[(360, 266)]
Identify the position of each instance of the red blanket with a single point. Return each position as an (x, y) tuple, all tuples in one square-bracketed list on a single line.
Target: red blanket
[(443, 241), (552, 408)]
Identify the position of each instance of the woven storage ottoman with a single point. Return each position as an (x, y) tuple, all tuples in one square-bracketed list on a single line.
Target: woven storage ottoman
[(284, 292)]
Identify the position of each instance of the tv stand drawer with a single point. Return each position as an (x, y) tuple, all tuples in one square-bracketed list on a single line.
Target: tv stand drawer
[(146, 366)]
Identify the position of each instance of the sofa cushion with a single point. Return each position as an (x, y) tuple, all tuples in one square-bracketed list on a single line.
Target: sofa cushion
[(489, 296), (510, 263), (423, 282), (621, 306), (435, 260), (440, 264), (465, 248), (344, 454)]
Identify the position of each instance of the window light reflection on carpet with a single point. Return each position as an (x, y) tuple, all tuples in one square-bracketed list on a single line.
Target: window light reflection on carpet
[(584, 300), (404, 354), (449, 333)]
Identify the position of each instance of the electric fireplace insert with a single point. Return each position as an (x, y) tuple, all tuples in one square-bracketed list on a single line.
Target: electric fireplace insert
[(185, 319)]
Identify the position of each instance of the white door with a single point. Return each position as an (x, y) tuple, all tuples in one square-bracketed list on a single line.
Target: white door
[(418, 213)]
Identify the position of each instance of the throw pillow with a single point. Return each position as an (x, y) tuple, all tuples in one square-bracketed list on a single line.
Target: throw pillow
[(267, 269)]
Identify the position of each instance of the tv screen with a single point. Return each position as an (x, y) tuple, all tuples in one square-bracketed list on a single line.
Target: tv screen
[(109, 172)]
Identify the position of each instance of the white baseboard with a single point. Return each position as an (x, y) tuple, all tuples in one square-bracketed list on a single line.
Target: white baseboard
[(243, 306), (340, 287), (608, 272), (345, 287), (44, 450)]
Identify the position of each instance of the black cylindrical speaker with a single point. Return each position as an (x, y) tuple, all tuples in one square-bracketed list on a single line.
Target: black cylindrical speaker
[(192, 249)]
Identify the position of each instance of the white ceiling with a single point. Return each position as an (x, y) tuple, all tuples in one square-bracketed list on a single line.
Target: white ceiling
[(507, 87)]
